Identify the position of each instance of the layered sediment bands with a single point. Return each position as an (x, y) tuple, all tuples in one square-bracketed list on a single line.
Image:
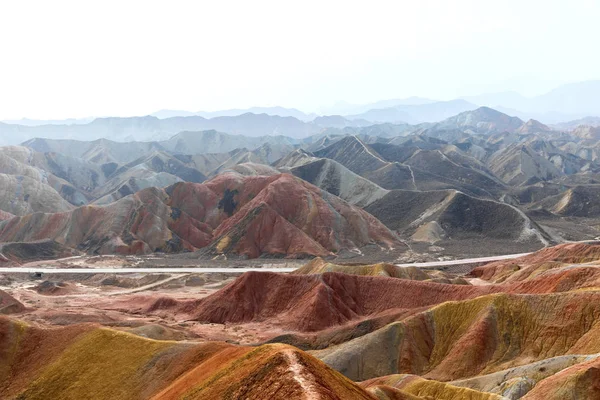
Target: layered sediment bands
[(20, 195), (309, 303), (230, 214), (415, 387), (136, 224), (580, 201), (581, 381), (84, 361), (447, 216), (320, 266), (308, 216), (559, 260), (333, 177), (462, 339), (537, 335), (515, 382)]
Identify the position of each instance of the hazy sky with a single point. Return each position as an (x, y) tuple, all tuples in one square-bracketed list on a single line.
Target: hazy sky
[(91, 58)]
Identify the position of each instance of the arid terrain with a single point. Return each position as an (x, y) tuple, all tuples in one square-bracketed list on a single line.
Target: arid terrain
[(449, 259), (299, 200), (522, 327)]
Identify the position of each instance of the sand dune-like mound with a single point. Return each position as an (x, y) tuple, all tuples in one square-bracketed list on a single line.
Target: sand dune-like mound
[(98, 151), (25, 351), (9, 305), (533, 126), (229, 214), (83, 360), (269, 371), (425, 389), (12, 164), (320, 266), (295, 158), (587, 132), (96, 177), (308, 303)]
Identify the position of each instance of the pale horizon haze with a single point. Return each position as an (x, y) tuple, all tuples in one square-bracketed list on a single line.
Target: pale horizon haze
[(75, 59)]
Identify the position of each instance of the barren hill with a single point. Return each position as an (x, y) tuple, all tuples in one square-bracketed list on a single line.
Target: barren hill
[(229, 214)]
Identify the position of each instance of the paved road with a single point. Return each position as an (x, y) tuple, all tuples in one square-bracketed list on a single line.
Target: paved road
[(464, 261), (30, 270), (186, 270)]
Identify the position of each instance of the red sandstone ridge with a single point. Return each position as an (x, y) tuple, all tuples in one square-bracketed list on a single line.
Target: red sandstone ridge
[(251, 216), (315, 302), (311, 303)]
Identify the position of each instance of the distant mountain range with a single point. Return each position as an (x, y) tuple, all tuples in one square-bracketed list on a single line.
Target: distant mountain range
[(570, 101), (279, 111), (479, 179), (566, 103), (387, 122), (413, 110), (152, 128), (416, 113)]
